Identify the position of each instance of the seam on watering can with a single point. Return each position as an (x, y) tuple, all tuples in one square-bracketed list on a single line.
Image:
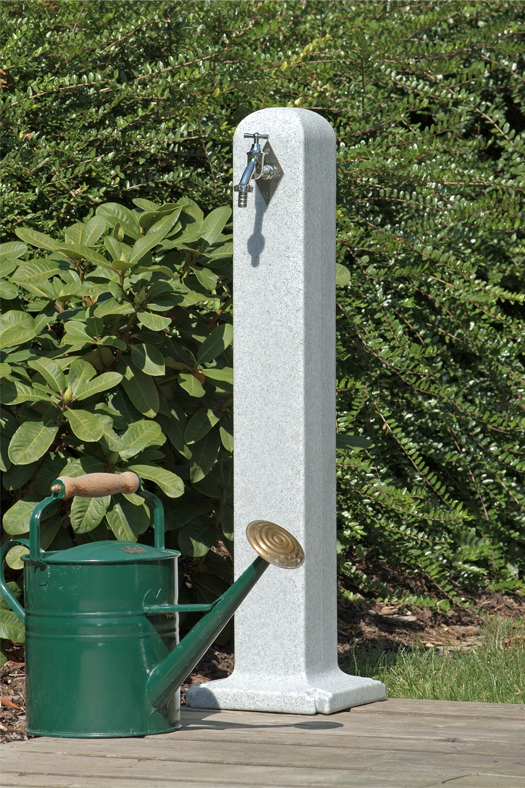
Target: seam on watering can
[(98, 636)]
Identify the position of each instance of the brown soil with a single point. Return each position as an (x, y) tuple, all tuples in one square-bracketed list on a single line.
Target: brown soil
[(361, 623)]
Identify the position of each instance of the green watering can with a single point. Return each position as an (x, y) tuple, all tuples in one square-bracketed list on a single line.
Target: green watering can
[(103, 656)]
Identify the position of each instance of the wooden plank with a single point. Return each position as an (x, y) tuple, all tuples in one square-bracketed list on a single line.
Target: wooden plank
[(266, 776), (443, 707), (278, 755), (315, 761)]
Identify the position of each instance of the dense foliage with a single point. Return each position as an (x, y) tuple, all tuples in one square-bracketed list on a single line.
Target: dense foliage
[(106, 102)]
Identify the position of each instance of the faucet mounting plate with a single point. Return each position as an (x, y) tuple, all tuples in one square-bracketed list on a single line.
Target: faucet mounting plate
[(268, 186)]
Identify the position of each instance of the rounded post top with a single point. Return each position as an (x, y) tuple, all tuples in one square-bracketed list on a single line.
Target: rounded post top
[(297, 123)]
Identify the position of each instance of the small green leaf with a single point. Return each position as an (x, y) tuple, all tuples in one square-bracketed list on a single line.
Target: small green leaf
[(169, 483), (139, 436), (14, 557), (189, 383), (87, 513), (342, 275), (86, 426), (215, 344), (31, 441), (148, 359), (199, 425)]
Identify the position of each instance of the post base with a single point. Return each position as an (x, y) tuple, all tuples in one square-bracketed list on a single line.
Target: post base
[(325, 693)]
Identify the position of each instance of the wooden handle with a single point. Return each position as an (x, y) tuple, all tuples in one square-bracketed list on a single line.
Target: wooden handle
[(96, 485)]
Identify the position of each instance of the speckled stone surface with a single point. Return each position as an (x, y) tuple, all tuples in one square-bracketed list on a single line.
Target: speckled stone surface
[(284, 399)]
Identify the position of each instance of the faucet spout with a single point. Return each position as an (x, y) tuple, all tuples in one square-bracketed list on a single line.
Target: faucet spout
[(253, 170)]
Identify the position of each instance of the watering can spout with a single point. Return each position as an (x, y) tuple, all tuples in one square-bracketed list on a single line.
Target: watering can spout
[(275, 546)]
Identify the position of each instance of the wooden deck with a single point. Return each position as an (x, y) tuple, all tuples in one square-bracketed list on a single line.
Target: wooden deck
[(393, 744)]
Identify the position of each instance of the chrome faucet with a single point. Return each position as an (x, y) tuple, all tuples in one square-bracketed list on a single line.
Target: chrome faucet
[(256, 169)]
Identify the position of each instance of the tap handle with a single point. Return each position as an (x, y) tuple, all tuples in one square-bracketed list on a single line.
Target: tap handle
[(257, 137)]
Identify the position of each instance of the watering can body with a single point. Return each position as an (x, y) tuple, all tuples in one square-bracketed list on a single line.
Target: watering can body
[(103, 657), (89, 644)]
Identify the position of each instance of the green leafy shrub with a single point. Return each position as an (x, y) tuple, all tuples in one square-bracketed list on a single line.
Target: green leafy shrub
[(115, 355), (428, 106)]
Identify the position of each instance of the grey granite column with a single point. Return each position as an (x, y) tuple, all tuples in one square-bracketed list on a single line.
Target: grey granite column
[(284, 429)]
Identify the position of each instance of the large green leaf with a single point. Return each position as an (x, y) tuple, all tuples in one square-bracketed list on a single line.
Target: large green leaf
[(80, 373), (216, 343), (119, 214), (198, 537), (189, 383), (207, 278), (12, 249), (113, 307), (226, 432), (184, 511), (8, 290), (174, 426), (169, 483), (222, 379), (16, 328), (92, 231), (352, 442), (199, 425), (35, 238), (37, 271), (31, 441), (148, 359), (154, 322), (16, 592), (86, 426), (102, 382), (139, 436), (87, 513), (75, 333), (16, 519), (51, 372), (140, 388), (214, 223), (11, 628), (119, 523), (203, 455), (17, 475)]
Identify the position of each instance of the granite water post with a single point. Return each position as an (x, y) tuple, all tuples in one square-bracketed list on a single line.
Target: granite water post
[(284, 426)]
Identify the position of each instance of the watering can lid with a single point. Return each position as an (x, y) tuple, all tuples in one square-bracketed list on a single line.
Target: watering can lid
[(109, 552)]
